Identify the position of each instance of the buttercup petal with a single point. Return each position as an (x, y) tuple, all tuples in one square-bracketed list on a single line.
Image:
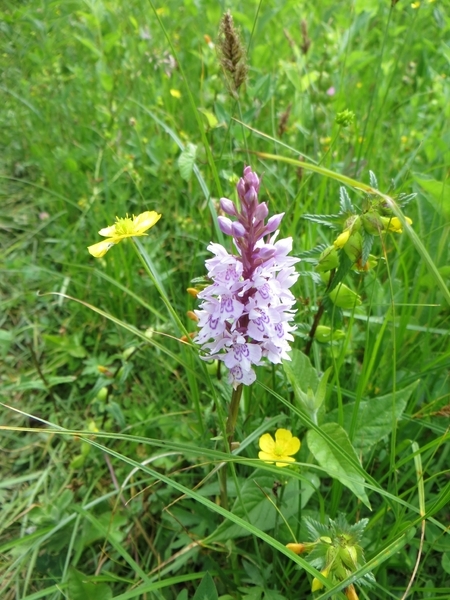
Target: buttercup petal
[(293, 446), (283, 436), (100, 249), (286, 459), (145, 220), (266, 456), (267, 443), (108, 231)]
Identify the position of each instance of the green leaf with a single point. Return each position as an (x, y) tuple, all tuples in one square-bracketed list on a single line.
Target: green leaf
[(375, 417), (261, 512), (206, 590), (345, 203), (304, 380), (438, 194), (80, 588), (186, 161), (334, 463), (446, 562)]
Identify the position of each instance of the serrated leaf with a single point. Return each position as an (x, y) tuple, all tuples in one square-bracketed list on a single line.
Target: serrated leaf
[(207, 589), (366, 245), (344, 201), (374, 420), (186, 161), (79, 587), (327, 220), (336, 464), (373, 180)]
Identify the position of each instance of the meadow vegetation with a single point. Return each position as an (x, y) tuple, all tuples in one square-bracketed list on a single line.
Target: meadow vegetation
[(120, 477)]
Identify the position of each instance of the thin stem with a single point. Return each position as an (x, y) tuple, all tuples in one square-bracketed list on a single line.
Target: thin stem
[(233, 413)]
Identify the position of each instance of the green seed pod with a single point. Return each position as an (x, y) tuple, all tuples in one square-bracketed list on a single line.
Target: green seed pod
[(353, 248), (353, 223), (128, 352), (325, 334), (102, 394), (329, 259), (349, 556), (372, 222), (343, 297)]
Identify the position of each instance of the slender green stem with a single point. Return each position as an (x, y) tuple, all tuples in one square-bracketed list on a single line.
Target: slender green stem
[(233, 413)]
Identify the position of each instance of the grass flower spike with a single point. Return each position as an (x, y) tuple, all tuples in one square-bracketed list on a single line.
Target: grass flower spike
[(246, 312), (124, 228), (282, 448)]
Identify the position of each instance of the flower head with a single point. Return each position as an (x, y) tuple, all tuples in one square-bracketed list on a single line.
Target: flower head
[(246, 311), (124, 228), (282, 448)]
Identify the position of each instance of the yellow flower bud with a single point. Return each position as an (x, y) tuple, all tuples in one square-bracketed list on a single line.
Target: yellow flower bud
[(350, 592), (394, 224), (316, 583), (296, 548), (342, 239)]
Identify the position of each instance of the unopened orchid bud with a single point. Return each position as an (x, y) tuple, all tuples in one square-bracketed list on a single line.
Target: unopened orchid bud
[(343, 297), (353, 247), (329, 259), (273, 223), (261, 212), (237, 229), (228, 207), (372, 222), (225, 225)]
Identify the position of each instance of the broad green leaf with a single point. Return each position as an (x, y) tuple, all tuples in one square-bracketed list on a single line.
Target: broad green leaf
[(335, 464), (446, 562), (374, 421), (260, 510), (438, 194), (186, 161), (308, 389), (206, 590), (80, 588)]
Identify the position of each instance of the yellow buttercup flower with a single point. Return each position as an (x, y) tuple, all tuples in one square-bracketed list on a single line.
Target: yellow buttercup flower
[(124, 228), (279, 449)]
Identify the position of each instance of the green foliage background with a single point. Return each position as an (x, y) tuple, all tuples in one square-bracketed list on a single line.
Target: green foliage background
[(99, 101)]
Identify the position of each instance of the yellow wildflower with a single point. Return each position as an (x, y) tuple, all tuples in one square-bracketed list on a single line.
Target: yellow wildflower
[(394, 224), (279, 449), (342, 239), (124, 228)]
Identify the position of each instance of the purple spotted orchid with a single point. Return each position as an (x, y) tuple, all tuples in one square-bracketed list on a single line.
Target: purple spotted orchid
[(246, 312)]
